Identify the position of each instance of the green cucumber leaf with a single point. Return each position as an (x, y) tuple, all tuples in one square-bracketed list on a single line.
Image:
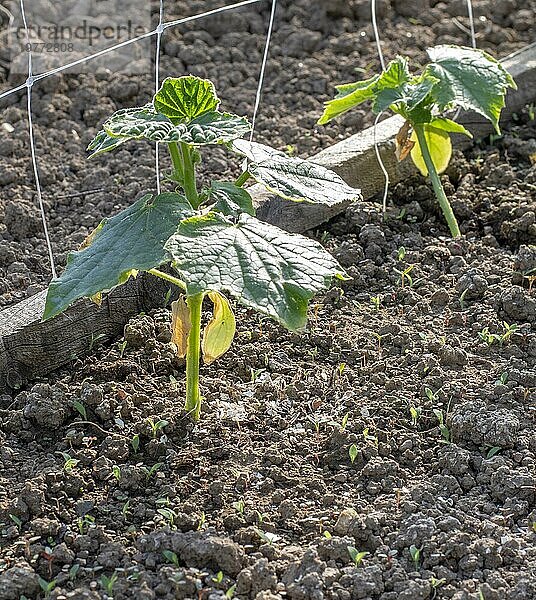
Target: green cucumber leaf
[(183, 99), (471, 79), (263, 267), (293, 178), (145, 123), (216, 128), (103, 143), (139, 123), (390, 87), (449, 126), (439, 145), (230, 199), (393, 87), (132, 240), (349, 96)]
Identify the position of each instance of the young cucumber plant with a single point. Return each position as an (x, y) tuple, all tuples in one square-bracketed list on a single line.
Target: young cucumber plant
[(209, 235), (456, 76)]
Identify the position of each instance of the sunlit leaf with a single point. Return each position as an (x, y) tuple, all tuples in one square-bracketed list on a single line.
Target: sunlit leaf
[(182, 99), (439, 145), (294, 178), (219, 333), (128, 242), (471, 79), (263, 267)]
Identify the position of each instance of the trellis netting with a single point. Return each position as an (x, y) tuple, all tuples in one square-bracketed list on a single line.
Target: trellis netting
[(40, 36), (47, 38)]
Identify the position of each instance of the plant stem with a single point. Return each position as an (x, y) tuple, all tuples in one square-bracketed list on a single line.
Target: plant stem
[(189, 183), (193, 396), (242, 179), (166, 277), (436, 182), (176, 159)]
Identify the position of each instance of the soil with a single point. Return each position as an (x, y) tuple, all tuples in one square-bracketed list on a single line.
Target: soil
[(401, 424)]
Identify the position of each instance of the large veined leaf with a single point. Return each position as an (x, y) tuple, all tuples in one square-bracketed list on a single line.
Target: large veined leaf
[(230, 199), (471, 79), (145, 123), (132, 240), (265, 268), (293, 178), (182, 99)]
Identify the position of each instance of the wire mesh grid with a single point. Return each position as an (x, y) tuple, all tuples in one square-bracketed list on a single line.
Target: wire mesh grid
[(158, 33)]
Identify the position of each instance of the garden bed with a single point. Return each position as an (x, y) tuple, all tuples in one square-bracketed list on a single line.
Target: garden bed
[(309, 444)]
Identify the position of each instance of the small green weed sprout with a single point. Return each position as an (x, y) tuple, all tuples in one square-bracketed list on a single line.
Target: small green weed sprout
[(80, 409), (16, 520), (157, 426), (356, 556), (46, 586), (171, 557), (443, 428), (353, 453), (108, 583), (84, 523), (135, 442), (498, 338), (69, 463), (207, 235), (415, 554), (455, 77), (376, 301), (169, 515), (415, 412), (267, 536), (152, 471)]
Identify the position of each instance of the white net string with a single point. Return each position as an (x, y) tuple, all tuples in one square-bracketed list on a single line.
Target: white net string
[(162, 26), (382, 62), (263, 69), (29, 84), (143, 36), (376, 147), (159, 32), (471, 22)]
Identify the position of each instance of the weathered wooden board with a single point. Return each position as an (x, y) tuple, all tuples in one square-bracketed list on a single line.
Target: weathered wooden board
[(29, 348)]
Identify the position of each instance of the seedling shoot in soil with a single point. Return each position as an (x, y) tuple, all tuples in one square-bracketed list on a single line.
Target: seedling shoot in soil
[(204, 237), (456, 77)]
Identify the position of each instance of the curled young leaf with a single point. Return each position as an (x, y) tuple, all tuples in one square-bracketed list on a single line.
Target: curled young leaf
[(104, 143), (230, 199), (439, 145), (182, 99), (265, 268), (145, 123), (294, 178), (180, 326), (404, 143), (219, 333)]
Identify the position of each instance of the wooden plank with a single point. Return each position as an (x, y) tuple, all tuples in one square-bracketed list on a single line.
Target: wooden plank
[(29, 348)]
